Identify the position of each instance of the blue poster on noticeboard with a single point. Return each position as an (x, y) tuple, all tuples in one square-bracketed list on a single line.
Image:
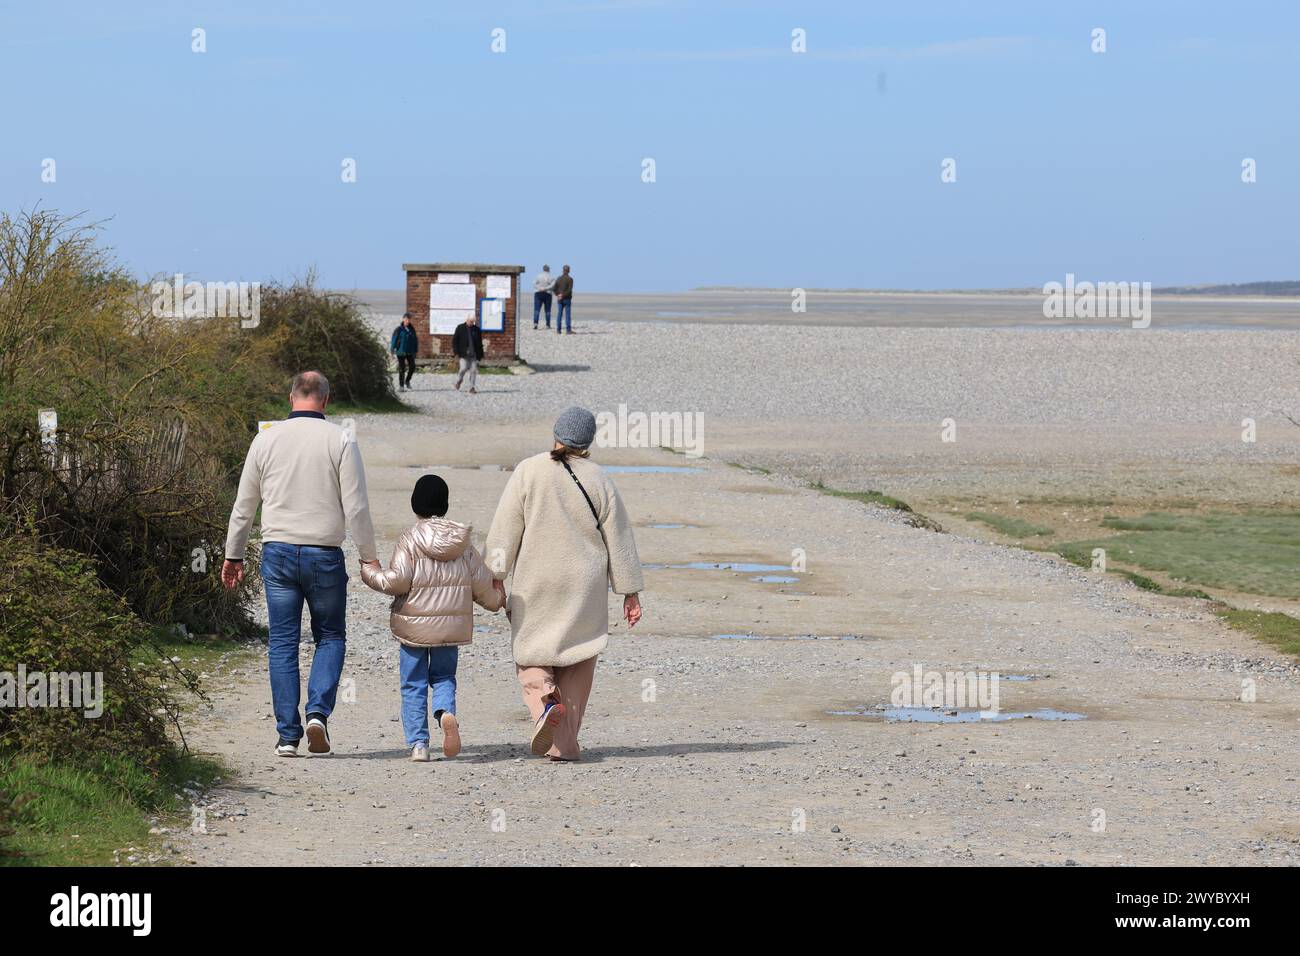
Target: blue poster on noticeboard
[(492, 315)]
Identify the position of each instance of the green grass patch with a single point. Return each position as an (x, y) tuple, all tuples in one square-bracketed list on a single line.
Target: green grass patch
[(751, 469), (1142, 581), (882, 500), (195, 654), (1272, 627), (1010, 526), (1256, 553), (63, 815)]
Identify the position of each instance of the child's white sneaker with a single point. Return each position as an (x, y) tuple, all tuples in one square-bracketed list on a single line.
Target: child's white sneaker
[(450, 734), (420, 753)]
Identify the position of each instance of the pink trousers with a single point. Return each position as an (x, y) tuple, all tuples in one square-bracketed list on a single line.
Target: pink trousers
[(571, 686)]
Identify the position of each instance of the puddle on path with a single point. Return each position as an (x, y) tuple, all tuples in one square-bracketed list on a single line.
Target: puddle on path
[(738, 566), (928, 715), (671, 526), (651, 469), (774, 579), (788, 637)]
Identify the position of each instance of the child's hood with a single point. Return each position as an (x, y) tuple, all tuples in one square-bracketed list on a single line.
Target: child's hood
[(439, 538)]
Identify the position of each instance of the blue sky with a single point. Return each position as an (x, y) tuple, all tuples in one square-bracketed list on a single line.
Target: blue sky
[(773, 168)]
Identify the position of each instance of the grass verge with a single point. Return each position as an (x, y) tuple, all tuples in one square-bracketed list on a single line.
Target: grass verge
[(1252, 552), (881, 500), (1272, 627), (1010, 526), (61, 815)]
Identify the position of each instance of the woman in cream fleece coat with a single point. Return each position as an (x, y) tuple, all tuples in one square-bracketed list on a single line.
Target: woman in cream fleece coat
[(566, 550)]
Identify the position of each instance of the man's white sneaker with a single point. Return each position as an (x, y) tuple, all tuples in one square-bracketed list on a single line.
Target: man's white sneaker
[(420, 753), (286, 749), (318, 737)]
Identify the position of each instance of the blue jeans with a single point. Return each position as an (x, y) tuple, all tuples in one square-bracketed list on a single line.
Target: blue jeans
[(426, 669), (542, 299), (565, 310), (292, 574)]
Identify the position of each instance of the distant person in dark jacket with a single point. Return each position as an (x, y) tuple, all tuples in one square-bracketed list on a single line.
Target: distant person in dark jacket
[(563, 289), (467, 344), (405, 344)]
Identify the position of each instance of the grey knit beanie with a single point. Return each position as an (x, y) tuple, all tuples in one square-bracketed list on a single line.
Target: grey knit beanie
[(576, 427)]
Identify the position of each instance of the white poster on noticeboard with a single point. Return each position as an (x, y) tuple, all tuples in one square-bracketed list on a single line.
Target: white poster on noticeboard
[(498, 287), (452, 295), (492, 315), (444, 321)]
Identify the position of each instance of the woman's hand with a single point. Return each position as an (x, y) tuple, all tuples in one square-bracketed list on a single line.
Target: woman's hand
[(500, 587), (632, 609)]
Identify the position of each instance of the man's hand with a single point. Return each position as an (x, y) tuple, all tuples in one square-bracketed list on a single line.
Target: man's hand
[(232, 572), (632, 609), (374, 563)]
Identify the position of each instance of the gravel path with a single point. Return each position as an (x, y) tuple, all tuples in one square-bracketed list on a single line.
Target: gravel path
[(702, 750)]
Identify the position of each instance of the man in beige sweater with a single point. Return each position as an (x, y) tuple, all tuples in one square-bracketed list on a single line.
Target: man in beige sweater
[(306, 475)]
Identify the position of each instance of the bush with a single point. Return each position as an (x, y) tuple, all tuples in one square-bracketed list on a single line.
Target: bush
[(326, 331), (57, 617), (155, 416)]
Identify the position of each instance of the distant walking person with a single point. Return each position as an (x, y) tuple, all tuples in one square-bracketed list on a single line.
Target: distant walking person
[(405, 344), (306, 475), (561, 528), (542, 295), (563, 289), (467, 344)]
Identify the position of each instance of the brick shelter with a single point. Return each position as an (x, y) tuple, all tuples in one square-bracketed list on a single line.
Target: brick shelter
[(439, 295)]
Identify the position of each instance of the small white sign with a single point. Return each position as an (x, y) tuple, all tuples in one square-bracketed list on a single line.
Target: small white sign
[(498, 287), (453, 276)]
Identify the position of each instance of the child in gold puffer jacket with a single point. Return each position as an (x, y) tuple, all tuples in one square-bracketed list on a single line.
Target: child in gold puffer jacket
[(436, 577)]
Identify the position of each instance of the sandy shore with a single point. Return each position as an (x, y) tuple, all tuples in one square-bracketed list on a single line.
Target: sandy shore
[(949, 310)]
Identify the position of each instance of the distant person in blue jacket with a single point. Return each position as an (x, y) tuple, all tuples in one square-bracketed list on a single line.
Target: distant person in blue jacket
[(405, 344)]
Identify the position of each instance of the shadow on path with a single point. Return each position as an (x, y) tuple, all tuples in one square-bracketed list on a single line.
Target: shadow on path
[(496, 753)]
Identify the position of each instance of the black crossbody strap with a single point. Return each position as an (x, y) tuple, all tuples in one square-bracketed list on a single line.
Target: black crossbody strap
[(565, 463)]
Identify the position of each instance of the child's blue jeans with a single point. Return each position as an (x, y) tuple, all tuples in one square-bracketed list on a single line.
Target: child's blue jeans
[(426, 669)]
